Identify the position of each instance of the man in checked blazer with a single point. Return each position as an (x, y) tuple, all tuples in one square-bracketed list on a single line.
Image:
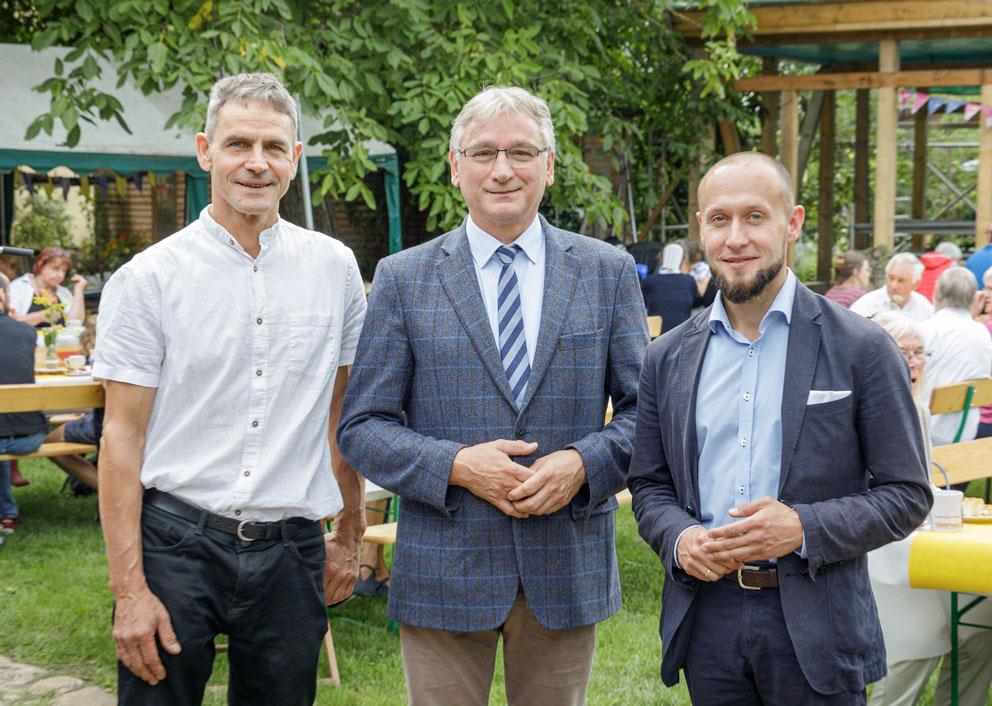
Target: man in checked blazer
[(777, 443), (478, 395)]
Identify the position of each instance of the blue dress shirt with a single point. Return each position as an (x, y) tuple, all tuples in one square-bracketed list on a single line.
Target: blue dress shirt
[(739, 410), (529, 271)]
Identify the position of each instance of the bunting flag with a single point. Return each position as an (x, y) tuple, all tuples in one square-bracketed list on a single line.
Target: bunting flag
[(934, 104), (918, 102), (121, 186), (987, 110), (137, 182), (30, 180), (913, 101), (48, 187), (952, 106), (84, 186), (65, 183), (905, 97), (969, 111), (152, 180), (101, 184), (29, 183)]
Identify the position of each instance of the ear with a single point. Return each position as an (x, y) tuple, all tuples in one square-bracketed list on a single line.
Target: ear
[(551, 168), (297, 151), (453, 163), (796, 220), (203, 151)]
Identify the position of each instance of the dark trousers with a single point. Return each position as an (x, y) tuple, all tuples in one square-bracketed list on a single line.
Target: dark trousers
[(741, 654), (267, 596)]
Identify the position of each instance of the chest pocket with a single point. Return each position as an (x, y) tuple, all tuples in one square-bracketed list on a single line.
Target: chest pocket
[(575, 341), (313, 345)]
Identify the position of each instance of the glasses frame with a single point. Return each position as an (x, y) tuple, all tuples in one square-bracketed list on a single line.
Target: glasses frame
[(505, 150)]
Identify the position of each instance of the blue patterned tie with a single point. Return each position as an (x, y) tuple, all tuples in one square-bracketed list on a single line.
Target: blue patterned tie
[(512, 345)]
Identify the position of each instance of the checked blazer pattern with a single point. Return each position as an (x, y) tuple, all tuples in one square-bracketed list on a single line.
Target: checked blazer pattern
[(428, 380)]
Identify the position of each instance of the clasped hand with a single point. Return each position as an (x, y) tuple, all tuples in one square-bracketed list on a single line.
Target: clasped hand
[(767, 529), (488, 471)]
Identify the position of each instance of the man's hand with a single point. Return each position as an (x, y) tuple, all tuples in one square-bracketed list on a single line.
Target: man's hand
[(769, 530), (696, 561), (138, 618), (486, 471), (556, 479), (340, 566)]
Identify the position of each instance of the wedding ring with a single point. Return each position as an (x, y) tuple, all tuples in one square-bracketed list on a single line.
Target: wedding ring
[(708, 572)]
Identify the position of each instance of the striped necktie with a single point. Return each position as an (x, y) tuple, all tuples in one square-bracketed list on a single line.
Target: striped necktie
[(512, 344)]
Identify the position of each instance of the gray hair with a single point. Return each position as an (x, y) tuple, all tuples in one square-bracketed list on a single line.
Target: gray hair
[(5, 288), (955, 289), (950, 249), (500, 100), (897, 325), (249, 88), (907, 258)]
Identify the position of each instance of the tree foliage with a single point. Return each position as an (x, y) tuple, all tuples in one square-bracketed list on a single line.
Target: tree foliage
[(399, 70)]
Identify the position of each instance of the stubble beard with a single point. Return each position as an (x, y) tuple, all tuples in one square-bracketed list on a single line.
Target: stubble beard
[(741, 292)]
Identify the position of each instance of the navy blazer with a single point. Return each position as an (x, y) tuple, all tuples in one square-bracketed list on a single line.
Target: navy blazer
[(428, 380), (853, 468)]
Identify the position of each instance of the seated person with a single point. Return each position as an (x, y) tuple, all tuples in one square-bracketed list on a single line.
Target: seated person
[(21, 432), (672, 292), (84, 430), (50, 270)]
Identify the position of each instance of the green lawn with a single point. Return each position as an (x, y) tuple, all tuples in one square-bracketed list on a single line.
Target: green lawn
[(55, 611)]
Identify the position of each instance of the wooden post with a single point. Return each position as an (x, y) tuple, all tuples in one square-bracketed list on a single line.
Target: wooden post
[(885, 149), (919, 172), (769, 102), (825, 207), (983, 212), (790, 149), (696, 170), (861, 128)]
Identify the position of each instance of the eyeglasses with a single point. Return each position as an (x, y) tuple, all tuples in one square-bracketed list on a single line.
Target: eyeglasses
[(517, 155), (918, 354)]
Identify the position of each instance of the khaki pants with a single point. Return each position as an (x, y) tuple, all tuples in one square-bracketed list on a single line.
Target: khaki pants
[(542, 667)]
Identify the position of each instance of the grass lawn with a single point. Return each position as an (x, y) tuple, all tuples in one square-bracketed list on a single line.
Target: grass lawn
[(55, 611)]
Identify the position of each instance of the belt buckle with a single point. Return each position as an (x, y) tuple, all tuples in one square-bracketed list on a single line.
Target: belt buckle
[(740, 578), (244, 538)]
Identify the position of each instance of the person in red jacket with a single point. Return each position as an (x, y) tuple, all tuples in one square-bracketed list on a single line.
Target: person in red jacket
[(934, 264)]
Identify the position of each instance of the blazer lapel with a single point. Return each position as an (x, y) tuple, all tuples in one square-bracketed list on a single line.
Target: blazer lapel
[(560, 275), (461, 285), (690, 364), (804, 348)]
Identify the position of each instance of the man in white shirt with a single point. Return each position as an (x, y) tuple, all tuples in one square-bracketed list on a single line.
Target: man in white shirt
[(226, 350), (902, 273), (959, 347)]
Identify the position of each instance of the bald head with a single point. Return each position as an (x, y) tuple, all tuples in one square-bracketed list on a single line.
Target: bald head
[(757, 161)]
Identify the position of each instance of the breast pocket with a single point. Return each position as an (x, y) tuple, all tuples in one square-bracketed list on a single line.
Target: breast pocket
[(575, 341), (313, 345)]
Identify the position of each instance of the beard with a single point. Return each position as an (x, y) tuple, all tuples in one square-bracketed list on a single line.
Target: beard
[(745, 291)]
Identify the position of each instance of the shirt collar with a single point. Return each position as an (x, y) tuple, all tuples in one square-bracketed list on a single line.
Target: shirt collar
[(221, 234), (483, 245), (781, 307)]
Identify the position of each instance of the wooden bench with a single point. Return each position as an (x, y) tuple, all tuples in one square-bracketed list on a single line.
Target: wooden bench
[(965, 460), (51, 398)]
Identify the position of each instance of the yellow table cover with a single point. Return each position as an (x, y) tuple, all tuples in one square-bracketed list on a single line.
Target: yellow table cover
[(952, 561)]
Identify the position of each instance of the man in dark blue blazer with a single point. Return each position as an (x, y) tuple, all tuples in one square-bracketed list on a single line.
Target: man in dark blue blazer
[(776, 444), (478, 395)]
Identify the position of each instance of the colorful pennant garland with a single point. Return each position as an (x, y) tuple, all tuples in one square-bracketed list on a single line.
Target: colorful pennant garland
[(103, 182), (915, 100)]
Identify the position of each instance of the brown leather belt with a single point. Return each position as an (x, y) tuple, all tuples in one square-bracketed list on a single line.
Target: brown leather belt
[(754, 578)]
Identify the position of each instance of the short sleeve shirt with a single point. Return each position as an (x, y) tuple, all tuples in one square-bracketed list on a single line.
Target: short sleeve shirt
[(243, 353)]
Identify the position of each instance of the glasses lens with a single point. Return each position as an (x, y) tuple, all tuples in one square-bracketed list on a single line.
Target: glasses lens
[(481, 154), (522, 155)]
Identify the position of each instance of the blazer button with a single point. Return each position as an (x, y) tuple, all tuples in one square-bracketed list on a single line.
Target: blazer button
[(691, 510), (521, 432)]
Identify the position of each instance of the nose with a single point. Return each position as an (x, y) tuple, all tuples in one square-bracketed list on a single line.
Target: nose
[(736, 238), (502, 169), (256, 161)]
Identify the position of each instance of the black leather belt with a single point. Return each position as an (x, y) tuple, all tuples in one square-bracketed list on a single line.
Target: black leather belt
[(245, 530), (754, 578)]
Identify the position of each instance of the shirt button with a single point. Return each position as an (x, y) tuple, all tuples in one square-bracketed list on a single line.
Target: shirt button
[(742, 490), (254, 268), (247, 473), (750, 352), (521, 432), (237, 513), (254, 423), (259, 372), (743, 442), (258, 321), (231, 241), (747, 396)]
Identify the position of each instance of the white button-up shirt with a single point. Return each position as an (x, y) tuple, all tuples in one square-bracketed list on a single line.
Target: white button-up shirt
[(917, 309), (529, 268), (959, 349), (243, 353)]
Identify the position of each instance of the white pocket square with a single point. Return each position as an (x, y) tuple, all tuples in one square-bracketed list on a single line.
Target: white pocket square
[(821, 396)]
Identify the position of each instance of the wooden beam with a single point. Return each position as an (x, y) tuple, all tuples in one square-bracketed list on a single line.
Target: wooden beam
[(887, 116), (807, 132), (862, 126), (45, 398), (865, 79), (729, 137), (983, 212), (836, 19), (825, 204), (919, 172), (769, 110), (790, 149)]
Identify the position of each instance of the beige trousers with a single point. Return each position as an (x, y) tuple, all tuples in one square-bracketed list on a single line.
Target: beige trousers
[(542, 667)]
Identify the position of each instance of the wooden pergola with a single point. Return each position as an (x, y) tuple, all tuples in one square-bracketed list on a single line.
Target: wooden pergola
[(864, 45)]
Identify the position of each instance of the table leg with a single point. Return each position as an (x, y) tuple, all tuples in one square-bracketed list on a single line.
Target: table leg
[(954, 648)]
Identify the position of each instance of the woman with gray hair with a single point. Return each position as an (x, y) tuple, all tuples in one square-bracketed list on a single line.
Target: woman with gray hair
[(672, 292)]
